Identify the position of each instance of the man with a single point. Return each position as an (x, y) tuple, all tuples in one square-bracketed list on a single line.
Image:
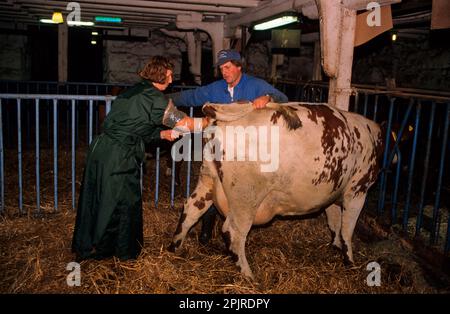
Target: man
[(235, 86)]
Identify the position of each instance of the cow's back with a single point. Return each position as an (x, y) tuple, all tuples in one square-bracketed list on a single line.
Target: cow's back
[(328, 153)]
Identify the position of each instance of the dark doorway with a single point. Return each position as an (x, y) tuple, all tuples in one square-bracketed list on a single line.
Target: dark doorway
[(44, 53), (85, 59)]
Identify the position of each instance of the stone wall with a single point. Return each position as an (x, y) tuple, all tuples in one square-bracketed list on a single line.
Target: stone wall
[(14, 57), (123, 59)]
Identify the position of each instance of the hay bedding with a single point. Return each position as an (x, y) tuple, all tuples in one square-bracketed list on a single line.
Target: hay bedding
[(287, 256)]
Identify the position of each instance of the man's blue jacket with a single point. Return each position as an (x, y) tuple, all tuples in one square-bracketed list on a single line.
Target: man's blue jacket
[(248, 89)]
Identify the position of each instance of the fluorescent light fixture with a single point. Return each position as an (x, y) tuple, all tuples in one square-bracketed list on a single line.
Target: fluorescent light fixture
[(93, 42), (280, 21), (394, 37), (94, 33), (47, 21), (79, 23), (108, 19)]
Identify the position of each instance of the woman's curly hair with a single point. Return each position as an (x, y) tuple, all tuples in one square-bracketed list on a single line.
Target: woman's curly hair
[(156, 69)]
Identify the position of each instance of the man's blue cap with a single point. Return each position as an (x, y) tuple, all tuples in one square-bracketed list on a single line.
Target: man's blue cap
[(227, 55)]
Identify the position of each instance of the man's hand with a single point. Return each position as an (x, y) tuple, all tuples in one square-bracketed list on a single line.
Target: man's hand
[(169, 135), (261, 102)]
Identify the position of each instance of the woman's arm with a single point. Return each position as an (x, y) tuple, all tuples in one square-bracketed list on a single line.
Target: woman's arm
[(187, 124)]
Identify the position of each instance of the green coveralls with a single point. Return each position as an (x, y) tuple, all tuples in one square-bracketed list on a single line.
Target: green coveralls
[(109, 215)]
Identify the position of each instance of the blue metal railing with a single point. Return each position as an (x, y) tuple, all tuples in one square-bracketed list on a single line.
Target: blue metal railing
[(414, 184), (37, 99), (57, 101)]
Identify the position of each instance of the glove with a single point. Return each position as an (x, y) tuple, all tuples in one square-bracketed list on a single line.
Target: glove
[(172, 115)]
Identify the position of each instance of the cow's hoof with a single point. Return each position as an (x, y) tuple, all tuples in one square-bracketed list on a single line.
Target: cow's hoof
[(173, 246)]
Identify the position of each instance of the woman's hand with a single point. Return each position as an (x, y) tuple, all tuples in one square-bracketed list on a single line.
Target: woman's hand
[(192, 124), (169, 135)]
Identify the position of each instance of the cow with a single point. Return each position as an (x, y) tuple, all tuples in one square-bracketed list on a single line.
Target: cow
[(328, 159)]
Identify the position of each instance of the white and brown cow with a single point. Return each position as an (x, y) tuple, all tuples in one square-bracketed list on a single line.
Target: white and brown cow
[(328, 159)]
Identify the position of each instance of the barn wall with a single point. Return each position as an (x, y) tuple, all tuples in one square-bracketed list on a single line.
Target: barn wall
[(123, 60), (413, 63), (14, 57), (258, 62)]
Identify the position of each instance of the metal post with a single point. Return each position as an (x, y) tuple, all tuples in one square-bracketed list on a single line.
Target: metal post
[(157, 178), (19, 153), (425, 170), (2, 168), (172, 182), (396, 184), (355, 110), (375, 109), (366, 101), (411, 168), (435, 227), (108, 106), (73, 154), (38, 190), (90, 120), (55, 150), (188, 178), (385, 159)]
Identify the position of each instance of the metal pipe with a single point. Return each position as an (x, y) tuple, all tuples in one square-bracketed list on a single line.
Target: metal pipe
[(108, 105), (73, 154), (47, 108), (425, 170), (172, 182), (19, 153), (157, 177), (396, 185), (400, 132), (366, 101), (411, 168), (375, 109), (90, 120), (87, 125), (7, 130), (38, 190), (385, 158), (435, 227), (188, 178), (28, 126), (55, 151), (2, 168)]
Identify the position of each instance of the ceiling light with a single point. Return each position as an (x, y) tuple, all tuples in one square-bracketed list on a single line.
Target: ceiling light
[(47, 21), (75, 23), (94, 33), (93, 42), (280, 21), (108, 19), (57, 18)]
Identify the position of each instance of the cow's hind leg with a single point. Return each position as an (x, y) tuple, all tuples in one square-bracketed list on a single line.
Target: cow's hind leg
[(194, 207), (334, 218), (235, 235), (352, 208)]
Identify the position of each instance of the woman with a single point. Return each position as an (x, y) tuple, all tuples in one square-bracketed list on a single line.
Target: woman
[(109, 216)]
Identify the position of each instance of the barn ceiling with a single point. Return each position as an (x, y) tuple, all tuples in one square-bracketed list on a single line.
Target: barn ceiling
[(148, 14), (134, 13)]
